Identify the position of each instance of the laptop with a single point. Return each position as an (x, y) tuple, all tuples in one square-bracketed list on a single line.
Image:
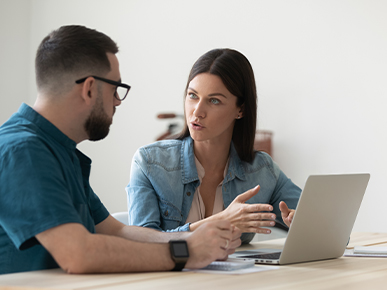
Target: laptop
[(322, 224)]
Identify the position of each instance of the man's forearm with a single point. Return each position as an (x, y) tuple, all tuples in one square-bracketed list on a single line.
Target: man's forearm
[(141, 234), (110, 226), (78, 251), (115, 254), (119, 248)]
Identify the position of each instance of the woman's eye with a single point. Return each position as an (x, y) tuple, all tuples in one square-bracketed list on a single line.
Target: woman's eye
[(192, 96), (215, 101)]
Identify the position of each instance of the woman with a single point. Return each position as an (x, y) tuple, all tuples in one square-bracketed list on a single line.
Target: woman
[(211, 171)]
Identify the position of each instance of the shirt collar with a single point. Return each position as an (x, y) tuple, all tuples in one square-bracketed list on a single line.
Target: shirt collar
[(189, 172), (31, 115), (201, 171)]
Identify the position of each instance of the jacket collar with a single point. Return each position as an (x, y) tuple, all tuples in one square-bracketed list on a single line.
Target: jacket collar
[(236, 167), (189, 172)]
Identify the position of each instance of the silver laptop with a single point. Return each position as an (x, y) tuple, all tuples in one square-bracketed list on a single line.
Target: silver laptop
[(323, 221)]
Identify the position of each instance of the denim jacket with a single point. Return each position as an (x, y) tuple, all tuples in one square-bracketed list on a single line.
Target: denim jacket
[(164, 179)]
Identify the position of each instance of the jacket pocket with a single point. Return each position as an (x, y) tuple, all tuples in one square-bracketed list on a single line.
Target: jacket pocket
[(170, 215)]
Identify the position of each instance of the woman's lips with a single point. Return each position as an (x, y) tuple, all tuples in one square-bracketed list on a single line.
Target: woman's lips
[(197, 126)]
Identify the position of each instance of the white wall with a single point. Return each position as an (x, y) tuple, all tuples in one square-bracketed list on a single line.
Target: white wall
[(320, 68), (14, 48)]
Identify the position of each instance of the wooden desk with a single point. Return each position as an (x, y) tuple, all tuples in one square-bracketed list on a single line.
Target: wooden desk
[(342, 273)]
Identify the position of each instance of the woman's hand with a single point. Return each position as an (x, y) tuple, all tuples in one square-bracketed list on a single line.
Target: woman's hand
[(286, 213), (249, 217)]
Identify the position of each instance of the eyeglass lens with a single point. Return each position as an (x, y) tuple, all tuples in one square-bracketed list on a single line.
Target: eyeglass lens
[(121, 92)]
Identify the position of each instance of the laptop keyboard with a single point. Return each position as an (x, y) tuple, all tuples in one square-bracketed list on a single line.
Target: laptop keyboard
[(271, 256)]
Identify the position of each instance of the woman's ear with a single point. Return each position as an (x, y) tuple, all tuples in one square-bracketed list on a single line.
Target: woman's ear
[(240, 112)]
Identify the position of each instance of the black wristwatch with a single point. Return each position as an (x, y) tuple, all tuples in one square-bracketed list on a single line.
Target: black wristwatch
[(179, 253)]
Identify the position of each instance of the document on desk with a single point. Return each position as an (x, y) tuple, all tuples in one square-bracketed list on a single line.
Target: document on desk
[(367, 251), (234, 267)]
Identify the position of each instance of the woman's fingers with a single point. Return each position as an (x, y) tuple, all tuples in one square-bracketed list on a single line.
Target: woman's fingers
[(252, 221), (256, 230), (256, 226), (253, 215), (257, 207), (286, 213), (242, 198)]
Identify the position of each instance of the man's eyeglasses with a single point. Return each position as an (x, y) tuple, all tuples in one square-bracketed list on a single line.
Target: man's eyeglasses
[(122, 90)]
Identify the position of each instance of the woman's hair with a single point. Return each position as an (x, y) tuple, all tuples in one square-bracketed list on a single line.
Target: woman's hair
[(237, 75)]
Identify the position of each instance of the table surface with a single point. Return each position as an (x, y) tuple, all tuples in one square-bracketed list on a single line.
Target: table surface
[(342, 273)]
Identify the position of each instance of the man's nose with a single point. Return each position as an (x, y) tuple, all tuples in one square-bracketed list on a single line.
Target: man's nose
[(117, 102)]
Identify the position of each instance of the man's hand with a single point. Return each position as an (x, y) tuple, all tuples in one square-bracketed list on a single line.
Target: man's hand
[(212, 241), (286, 213)]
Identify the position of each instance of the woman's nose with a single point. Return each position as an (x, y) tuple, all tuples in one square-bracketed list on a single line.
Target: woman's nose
[(200, 110)]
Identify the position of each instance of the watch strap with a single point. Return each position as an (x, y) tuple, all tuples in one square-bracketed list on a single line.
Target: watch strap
[(179, 266), (179, 259)]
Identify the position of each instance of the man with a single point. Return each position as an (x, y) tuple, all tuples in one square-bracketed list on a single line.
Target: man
[(49, 215)]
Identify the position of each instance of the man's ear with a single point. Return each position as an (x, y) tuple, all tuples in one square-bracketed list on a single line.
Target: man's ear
[(89, 90)]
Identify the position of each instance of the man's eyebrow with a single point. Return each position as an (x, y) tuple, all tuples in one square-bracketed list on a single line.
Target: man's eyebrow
[(210, 95)]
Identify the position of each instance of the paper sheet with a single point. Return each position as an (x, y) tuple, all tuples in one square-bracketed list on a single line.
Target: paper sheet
[(254, 269), (371, 253)]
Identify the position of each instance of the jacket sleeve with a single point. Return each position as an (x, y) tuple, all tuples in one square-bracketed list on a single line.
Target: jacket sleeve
[(285, 190), (143, 201), (247, 237)]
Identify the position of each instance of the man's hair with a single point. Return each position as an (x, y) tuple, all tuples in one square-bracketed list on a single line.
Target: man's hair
[(69, 53), (237, 75)]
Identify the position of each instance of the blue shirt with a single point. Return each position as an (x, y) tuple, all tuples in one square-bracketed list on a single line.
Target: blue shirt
[(44, 182), (164, 179)]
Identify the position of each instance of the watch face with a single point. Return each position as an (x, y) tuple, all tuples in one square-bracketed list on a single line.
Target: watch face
[(180, 250)]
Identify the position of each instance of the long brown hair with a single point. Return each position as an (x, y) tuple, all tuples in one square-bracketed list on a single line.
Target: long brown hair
[(237, 75)]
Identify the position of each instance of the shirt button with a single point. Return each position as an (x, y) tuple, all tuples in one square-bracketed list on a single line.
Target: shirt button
[(189, 193), (166, 213)]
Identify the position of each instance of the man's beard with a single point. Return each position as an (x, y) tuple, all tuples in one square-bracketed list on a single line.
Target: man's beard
[(98, 123)]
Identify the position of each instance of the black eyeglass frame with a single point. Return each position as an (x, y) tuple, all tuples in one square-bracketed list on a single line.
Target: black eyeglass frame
[(118, 84)]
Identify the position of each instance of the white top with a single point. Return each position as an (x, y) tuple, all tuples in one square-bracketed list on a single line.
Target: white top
[(198, 210)]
